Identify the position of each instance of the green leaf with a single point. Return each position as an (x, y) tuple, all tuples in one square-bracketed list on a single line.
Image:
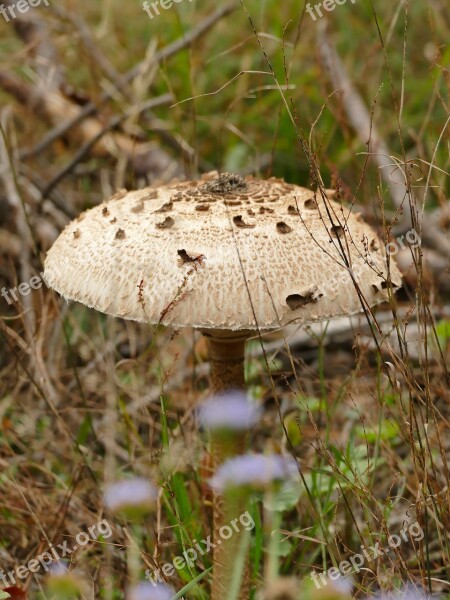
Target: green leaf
[(84, 430), (285, 498), (182, 497), (443, 333), (387, 431), (284, 547), (192, 583)]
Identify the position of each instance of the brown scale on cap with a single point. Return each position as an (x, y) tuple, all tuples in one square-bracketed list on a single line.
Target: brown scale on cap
[(310, 204), (283, 227), (239, 222), (119, 195), (138, 208), (337, 231), (293, 210), (166, 224), (151, 194), (290, 255), (295, 301), (166, 207)]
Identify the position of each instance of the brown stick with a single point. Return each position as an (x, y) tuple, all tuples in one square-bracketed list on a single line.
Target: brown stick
[(91, 108)]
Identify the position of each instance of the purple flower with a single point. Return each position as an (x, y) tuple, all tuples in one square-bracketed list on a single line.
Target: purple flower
[(62, 583), (230, 411), (148, 591), (343, 585), (131, 495), (257, 471), (409, 592), (58, 569)]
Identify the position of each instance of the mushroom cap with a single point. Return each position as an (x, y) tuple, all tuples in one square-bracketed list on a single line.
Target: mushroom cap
[(222, 252)]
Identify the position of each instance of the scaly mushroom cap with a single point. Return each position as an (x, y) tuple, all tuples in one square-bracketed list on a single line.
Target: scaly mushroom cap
[(222, 252)]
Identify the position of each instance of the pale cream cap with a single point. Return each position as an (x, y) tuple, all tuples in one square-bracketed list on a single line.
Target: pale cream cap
[(221, 252)]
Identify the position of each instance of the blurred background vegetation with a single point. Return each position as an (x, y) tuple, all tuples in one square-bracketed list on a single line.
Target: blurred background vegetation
[(86, 399)]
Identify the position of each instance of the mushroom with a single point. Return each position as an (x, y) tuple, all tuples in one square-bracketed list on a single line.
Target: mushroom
[(226, 255)]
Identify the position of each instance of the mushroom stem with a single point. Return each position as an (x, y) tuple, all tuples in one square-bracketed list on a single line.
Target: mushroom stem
[(227, 354), (227, 363)]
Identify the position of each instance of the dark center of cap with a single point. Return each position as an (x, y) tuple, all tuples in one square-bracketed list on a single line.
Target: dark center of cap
[(226, 183)]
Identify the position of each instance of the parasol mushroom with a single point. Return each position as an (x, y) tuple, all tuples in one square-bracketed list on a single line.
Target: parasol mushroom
[(226, 255)]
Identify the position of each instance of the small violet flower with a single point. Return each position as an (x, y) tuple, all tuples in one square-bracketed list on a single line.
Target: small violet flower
[(131, 496), (62, 583), (149, 591), (58, 569), (257, 471), (409, 592), (229, 411)]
